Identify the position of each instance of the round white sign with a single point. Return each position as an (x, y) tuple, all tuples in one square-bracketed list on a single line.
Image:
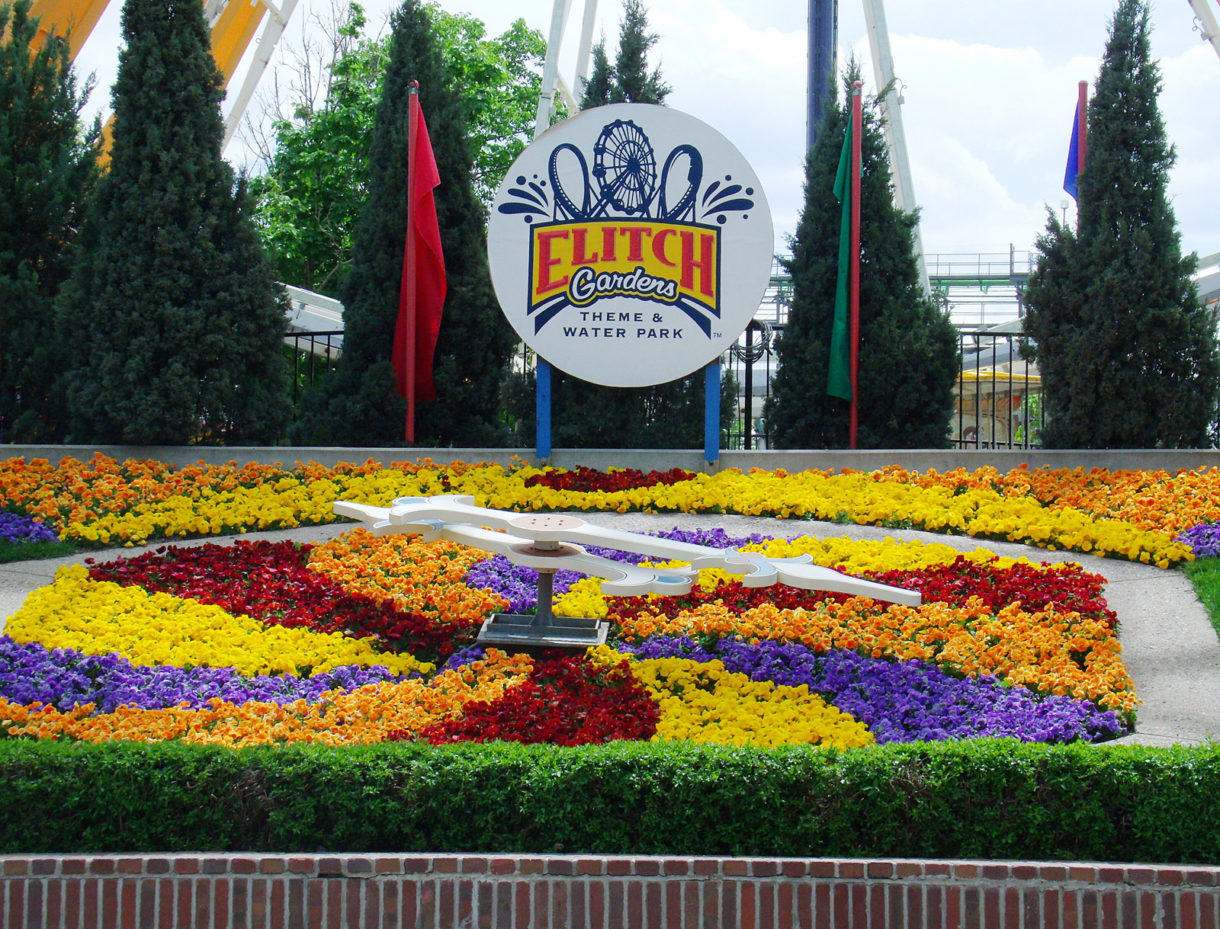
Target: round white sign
[(630, 245)]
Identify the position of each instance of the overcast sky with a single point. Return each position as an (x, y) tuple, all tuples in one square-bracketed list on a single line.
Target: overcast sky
[(989, 93)]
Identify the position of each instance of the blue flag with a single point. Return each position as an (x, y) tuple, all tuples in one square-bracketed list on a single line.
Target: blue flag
[(1073, 165)]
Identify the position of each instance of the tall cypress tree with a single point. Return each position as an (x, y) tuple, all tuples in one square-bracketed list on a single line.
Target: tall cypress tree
[(633, 83), (358, 406), (48, 167), (1127, 352), (627, 80), (175, 316), (600, 84), (907, 348)]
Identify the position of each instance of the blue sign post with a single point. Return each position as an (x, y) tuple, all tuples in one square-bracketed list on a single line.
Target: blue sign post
[(542, 408), (711, 413), (630, 246)]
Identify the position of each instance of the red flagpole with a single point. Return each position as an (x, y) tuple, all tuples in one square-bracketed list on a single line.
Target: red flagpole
[(856, 113), (411, 269)]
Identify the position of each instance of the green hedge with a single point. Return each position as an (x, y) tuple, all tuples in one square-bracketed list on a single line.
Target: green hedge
[(983, 799)]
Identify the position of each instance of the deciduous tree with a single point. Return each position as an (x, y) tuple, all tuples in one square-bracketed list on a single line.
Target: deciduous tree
[(317, 179)]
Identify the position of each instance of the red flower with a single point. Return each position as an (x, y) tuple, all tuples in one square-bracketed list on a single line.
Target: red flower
[(566, 700), (587, 480), (270, 582), (1059, 587)]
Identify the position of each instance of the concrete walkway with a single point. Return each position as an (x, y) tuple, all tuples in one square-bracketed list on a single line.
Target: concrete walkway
[(1170, 647)]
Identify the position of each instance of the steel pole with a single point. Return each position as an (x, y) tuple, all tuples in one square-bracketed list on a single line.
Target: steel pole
[(823, 29)]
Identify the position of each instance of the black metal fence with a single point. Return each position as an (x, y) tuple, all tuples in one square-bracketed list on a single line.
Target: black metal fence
[(313, 355), (752, 361), (998, 395)]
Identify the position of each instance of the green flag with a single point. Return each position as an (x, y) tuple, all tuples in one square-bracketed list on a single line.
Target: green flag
[(838, 376)]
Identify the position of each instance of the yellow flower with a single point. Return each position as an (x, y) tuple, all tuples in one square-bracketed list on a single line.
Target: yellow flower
[(99, 617), (702, 702)]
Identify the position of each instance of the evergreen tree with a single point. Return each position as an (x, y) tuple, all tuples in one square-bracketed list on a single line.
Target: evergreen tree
[(632, 81), (668, 415), (1127, 352), (48, 167), (627, 80), (359, 406), (172, 309), (600, 84), (907, 346)]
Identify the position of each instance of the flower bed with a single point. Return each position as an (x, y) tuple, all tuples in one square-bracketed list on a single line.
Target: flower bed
[(364, 640), (1124, 514)]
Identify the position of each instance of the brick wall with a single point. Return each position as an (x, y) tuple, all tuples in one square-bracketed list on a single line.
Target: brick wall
[(500, 892)]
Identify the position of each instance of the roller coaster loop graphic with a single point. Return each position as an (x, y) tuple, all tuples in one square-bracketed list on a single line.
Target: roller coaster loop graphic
[(624, 181)]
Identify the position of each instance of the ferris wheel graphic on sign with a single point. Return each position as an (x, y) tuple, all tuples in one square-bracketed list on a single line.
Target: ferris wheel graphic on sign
[(624, 167), (625, 173), (615, 258)]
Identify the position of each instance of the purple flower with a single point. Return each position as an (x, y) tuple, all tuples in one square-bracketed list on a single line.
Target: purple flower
[(17, 529), (1204, 539), (464, 656), (903, 701), (65, 678), (712, 538)]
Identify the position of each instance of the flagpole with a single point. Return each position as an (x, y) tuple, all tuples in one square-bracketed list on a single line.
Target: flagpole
[(1082, 123), (856, 138), (1082, 132), (411, 270)]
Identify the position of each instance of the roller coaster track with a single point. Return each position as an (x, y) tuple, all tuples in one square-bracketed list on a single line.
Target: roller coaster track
[(234, 24), (1207, 23)]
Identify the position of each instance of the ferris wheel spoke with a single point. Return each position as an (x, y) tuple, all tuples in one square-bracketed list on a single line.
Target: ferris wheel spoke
[(625, 167)]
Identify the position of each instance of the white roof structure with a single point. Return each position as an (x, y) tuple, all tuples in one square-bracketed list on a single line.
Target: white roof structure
[(1208, 279), (314, 313)]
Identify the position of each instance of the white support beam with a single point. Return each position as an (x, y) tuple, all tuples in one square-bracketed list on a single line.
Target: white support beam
[(883, 68), (582, 54), (552, 82), (1207, 22), (272, 32), (550, 68)]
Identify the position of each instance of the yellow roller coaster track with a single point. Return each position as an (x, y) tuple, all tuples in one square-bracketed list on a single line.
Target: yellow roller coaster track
[(234, 24)]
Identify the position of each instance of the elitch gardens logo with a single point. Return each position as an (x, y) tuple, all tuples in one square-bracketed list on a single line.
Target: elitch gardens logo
[(630, 245)]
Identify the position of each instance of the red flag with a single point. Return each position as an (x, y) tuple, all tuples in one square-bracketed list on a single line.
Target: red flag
[(423, 273)]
